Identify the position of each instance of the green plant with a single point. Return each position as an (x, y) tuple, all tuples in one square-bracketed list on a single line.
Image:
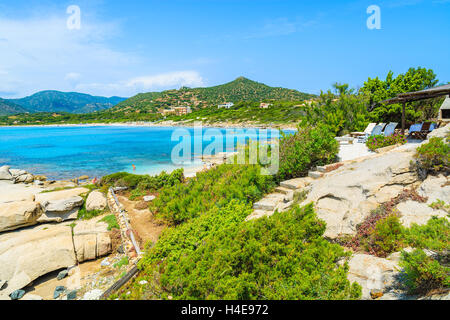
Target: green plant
[(434, 235), (111, 221), (213, 188), (122, 262), (387, 237), (307, 148), (423, 274), (433, 156), (440, 205), (219, 256), (376, 142)]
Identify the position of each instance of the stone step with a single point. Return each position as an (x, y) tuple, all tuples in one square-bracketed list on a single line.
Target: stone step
[(283, 190), (322, 169), (282, 207), (315, 174), (296, 183), (259, 214)]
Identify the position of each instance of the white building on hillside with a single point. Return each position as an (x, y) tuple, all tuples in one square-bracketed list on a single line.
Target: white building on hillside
[(227, 105)]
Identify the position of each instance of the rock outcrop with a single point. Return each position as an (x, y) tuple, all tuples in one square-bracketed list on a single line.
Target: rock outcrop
[(15, 215), (91, 240), (96, 201), (5, 174), (27, 254), (344, 198), (373, 274), (60, 206), (418, 213), (61, 210)]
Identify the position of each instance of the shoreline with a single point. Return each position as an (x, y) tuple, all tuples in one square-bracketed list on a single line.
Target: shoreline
[(163, 124)]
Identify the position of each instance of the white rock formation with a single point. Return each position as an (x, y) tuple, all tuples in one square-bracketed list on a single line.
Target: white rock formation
[(344, 198), (15, 215), (372, 273), (416, 212), (27, 254), (5, 174), (96, 201), (91, 239)]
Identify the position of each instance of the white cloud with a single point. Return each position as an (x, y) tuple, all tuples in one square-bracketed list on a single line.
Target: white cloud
[(40, 53), (147, 83), (164, 80)]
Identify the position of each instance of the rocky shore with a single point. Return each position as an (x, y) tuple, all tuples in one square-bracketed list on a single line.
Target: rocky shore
[(40, 231)]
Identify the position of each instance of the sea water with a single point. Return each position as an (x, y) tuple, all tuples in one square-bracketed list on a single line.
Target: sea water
[(66, 152)]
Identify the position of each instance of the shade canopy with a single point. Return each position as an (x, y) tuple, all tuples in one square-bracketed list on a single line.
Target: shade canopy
[(420, 95)]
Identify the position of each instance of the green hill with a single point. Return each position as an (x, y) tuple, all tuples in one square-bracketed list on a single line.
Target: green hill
[(73, 102), (241, 89), (10, 108)]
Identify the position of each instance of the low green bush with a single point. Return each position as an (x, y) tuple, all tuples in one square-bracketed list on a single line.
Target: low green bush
[(424, 274), (435, 235), (111, 221), (387, 236), (379, 141), (307, 148), (143, 182), (219, 256), (215, 187), (434, 156)]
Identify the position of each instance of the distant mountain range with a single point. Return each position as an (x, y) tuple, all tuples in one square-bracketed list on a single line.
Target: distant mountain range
[(57, 101), (241, 89), (8, 107)]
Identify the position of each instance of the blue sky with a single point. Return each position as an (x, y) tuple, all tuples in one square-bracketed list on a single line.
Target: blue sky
[(126, 47)]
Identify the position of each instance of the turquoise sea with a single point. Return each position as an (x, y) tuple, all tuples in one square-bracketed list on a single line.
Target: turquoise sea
[(67, 152)]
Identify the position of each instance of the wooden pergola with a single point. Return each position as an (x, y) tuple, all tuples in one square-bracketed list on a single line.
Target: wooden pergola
[(404, 98)]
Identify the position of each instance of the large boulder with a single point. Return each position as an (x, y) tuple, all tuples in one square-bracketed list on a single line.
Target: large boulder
[(60, 195), (27, 254), (5, 174), (96, 201), (62, 205), (435, 188), (345, 197), (372, 273), (15, 215), (91, 239), (417, 212)]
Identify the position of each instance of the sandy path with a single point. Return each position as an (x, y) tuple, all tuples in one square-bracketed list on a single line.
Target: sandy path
[(142, 222)]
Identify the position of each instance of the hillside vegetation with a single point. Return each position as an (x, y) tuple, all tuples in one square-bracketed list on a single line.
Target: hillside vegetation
[(10, 108), (72, 102), (241, 89)]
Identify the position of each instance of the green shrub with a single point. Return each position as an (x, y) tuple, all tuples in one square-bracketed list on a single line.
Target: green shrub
[(219, 256), (215, 187), (376, 142), (440, 205), (423, 274), (307, 148), (387, 236), (435, 235), (143, 182), (433, 156), (111, 221), (122, 262)]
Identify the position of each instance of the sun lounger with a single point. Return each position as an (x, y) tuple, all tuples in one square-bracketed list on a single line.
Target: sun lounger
[(414, 129), (367, 131), (390, 129), (427, 127), (377, 130)]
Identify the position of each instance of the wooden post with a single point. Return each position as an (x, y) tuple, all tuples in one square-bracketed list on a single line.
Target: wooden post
[(403, 117)]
